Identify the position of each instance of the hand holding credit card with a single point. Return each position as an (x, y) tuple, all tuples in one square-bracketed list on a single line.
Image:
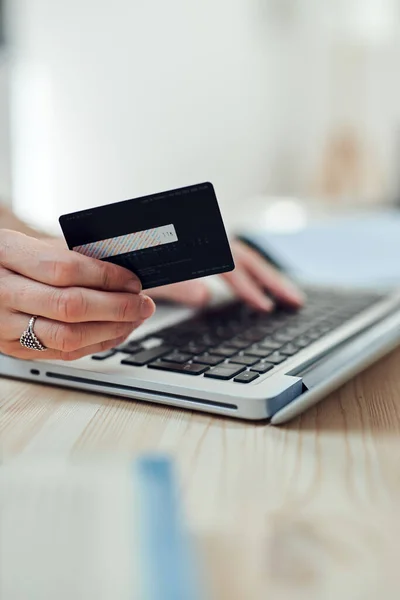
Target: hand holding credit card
[(163, 238)]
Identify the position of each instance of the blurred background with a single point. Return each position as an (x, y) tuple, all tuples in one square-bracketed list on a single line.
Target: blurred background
[(293, 101)]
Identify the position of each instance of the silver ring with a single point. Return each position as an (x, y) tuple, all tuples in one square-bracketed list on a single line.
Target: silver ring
[(29, 340)]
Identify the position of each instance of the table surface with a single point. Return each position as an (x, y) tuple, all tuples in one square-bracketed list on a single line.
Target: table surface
[(309, 510)]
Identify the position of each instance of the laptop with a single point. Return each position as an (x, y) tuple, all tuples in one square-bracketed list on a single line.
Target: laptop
[(233, 361)]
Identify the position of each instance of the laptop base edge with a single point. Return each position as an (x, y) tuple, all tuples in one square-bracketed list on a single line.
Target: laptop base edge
[(342, 365)]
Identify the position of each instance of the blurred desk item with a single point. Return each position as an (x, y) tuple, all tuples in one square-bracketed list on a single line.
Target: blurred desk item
[(303, 512), (108, 529), (349, 169), (362, 250)]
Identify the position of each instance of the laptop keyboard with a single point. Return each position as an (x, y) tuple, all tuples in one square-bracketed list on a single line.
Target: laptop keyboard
[(236, 343)]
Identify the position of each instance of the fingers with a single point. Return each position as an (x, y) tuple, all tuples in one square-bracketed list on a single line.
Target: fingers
[(15, 350), (191, 293), (66, 337), (267, 277), (54, 265), (73, 304), (83, 305), (248, 290)]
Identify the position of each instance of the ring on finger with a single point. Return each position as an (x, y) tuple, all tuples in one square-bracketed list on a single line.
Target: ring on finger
[(29, 339)]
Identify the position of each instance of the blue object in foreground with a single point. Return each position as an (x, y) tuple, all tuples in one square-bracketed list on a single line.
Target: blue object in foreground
[(168, 570)]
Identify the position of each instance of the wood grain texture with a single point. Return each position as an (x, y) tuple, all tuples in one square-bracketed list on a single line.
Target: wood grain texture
[(310, 510)]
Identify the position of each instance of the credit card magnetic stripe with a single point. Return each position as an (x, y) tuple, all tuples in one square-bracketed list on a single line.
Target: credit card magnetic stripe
[(164, 238), (167, 563), (131, 242)]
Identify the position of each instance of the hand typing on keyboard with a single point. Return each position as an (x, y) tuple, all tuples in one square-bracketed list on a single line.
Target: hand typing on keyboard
[(236, 343), (228, 344), (251, 277)]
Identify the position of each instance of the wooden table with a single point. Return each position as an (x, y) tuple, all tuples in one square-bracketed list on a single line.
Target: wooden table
[(310, 510)]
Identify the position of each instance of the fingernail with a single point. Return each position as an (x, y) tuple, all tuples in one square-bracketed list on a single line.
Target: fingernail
[(267, 304), (147, 307), (134, 285), (295, 292), (299, 296)]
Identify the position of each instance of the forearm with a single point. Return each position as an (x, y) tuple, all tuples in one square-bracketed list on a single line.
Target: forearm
[(10, 221)]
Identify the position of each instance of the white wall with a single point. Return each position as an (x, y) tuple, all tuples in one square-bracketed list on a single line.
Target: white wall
[(115, 99), (330, 85), (5, 166)]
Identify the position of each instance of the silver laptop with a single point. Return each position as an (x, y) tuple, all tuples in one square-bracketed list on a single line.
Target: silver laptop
[(231, 360)]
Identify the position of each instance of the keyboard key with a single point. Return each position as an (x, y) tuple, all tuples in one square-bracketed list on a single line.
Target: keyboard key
[(177, 357), (332, 322), (257, 352), (194, 348), (303, 341), (224, 351), (270, 344), (208, 359), (314, 334), (188, 368), (248, 361), (178, 339), (209, 340), (240, 344), (324, 329), (296, 330), (267, 329), (289, 349), (224, 372), (262, 367), (222, 332), (146, 356), (129, 348), (282, 337), (246, 377), (253, 335), (276, 358), (104, 355)]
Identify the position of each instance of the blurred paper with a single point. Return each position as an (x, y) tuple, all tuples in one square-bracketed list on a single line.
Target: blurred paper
[(362, 250)]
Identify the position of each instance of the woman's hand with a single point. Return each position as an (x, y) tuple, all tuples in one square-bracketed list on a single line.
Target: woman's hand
[(251, 281), (83, 305)]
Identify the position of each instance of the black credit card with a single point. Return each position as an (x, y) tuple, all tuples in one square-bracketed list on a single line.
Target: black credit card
[(163, 238)]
